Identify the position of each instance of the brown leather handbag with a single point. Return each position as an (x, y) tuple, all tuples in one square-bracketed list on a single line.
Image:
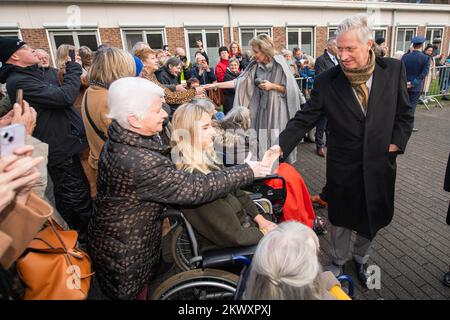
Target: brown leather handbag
[(53, 268)]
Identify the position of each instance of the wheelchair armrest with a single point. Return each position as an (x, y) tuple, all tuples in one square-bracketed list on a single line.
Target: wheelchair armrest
[(255, 196), (269, 177), (226, 257)]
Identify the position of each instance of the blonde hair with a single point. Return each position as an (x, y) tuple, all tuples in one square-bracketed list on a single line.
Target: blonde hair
[(286, 265), (144, 53), (111, 64), (264, 43), (62, 53), (187, 153)]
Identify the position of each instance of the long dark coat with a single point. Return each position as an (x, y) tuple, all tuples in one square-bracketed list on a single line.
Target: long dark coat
[(360, 170), (135, 181)]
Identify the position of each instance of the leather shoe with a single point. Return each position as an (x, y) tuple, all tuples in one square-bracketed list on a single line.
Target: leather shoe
[(361, 271), (320, 152), (317, 200)]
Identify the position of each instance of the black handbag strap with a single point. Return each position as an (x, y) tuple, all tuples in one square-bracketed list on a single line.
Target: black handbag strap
[(91, 122)]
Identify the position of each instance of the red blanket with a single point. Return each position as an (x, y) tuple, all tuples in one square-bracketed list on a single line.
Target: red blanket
[(298, 204)]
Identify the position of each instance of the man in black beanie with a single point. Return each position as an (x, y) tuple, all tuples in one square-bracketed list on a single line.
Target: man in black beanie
[(58, 124)]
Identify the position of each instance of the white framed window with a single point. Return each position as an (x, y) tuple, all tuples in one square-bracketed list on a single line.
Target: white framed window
[(78, 38), (404, 37), (302, 37), (379, 32), (434, 33), (332, 32), (246, 34), (212, 39), (10, 33), (155, 37)]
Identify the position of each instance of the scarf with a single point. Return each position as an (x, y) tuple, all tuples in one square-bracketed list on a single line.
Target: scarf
[(358, 79)]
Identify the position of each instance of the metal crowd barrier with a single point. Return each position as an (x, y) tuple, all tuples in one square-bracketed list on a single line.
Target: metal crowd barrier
[(305, 84), (438, 87)]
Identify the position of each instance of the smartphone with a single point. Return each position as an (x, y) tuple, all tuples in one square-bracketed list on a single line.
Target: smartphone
[(19, 97), (11, 138), (72, 55)]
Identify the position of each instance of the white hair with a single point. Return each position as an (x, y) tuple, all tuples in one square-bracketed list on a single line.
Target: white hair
[(139, 45), (286, 265), (359, 22), (131, 96)]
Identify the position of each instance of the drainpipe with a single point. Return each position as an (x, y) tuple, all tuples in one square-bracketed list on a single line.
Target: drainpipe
[(393, 23), (230, 25)]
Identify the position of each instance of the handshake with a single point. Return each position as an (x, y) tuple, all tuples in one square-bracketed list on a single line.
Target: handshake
[(266, 166)]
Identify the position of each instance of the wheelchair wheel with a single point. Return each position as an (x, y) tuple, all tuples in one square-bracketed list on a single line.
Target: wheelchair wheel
[(180, 248), (198, 284)]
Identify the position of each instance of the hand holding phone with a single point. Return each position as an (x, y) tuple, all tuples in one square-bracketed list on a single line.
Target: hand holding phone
[(72, 55)]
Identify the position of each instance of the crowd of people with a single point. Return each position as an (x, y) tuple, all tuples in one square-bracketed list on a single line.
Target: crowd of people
[(118, 136)]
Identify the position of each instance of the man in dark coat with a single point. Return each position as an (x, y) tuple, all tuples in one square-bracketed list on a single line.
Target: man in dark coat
[(58, 124), (417, 65), (136, 179), (369, 118), (326, 61)]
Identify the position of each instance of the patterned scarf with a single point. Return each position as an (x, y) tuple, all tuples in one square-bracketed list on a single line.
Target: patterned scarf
[(358, 79)]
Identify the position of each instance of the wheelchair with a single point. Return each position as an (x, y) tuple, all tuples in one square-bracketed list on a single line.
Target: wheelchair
[(268, 200), (205, 281)]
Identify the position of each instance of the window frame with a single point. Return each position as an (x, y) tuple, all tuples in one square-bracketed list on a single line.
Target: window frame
[(203, 30), (404, 28), (299, 30), (144, 32), (255, 30), (74, 32), (442, 28)]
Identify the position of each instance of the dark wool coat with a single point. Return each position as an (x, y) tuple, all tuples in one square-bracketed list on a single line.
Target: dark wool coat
[(135, 181), (360, 170)]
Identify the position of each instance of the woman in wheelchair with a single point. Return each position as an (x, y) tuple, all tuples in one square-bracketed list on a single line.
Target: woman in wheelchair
[(230, 221), (286, 267)]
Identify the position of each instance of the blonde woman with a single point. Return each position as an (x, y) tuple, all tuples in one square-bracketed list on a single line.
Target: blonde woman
[(268, 88), (108, 65), (230, 221)]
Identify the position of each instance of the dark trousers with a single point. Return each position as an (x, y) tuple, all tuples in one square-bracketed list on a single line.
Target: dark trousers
[(72, 194), (321, 127), (414, 99)]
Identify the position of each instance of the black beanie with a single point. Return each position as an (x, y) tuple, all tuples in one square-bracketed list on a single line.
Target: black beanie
[(8, 46)]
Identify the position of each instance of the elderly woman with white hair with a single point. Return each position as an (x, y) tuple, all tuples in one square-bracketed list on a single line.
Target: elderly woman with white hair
[(136, 179), (286, 267)]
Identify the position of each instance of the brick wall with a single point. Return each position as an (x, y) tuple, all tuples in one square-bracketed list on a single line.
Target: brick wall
[(236, 34), (446, 41), (175, 38), (111, 36), (421, 31), (36, 38), (226, 36), (279, 38), (321, 40)]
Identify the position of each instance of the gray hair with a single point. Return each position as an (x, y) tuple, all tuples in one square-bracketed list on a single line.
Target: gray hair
[(330, 41), (234, 59), (238, 115), (286, 265), (358, 22), (173, 61), (205, 103), (139, 45), (131, 96)]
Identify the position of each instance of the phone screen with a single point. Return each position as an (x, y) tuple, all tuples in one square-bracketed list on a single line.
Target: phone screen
[(72, 55)]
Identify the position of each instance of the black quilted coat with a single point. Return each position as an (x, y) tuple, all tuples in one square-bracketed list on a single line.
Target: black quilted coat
[(135, 181)]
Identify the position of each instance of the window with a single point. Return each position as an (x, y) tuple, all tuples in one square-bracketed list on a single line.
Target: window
[(379, 33), (435, 35), (156, 38), (10, 33), (212, 41), (76, 38), (246, 34), (404, 37), (301, 38), (332, 32)]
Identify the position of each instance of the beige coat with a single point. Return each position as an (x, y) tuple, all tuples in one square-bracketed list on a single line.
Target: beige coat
[(97, 102), (19, 224), (430, 76)]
